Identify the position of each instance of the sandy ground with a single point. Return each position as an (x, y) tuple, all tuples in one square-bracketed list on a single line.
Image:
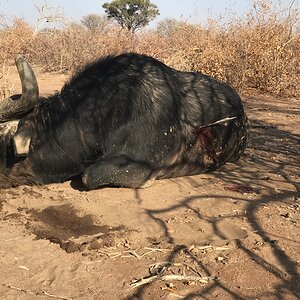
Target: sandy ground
[(231, 234)]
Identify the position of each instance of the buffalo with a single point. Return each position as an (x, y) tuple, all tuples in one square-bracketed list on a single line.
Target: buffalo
[(124, 120)]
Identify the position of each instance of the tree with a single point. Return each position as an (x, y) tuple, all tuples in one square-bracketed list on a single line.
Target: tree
[(131, 14), (94, 22)]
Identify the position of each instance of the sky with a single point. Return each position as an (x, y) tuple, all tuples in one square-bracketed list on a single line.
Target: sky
[(195, 11)]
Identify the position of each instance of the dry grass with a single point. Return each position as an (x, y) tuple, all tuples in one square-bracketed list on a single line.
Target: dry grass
[(261, 51)]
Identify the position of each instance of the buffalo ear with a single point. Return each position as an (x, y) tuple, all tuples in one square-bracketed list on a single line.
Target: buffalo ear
[(18, 105)]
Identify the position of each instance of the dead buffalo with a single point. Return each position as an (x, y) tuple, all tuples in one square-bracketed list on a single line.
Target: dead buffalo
[(123, 121)]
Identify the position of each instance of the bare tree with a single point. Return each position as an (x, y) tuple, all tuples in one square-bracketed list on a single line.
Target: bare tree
[(48, 14), (94, 22)]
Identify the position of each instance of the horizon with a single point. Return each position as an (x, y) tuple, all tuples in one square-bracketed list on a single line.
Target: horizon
[(192, 11)]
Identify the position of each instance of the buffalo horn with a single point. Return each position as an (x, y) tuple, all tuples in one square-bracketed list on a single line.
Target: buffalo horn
[(18, 105)]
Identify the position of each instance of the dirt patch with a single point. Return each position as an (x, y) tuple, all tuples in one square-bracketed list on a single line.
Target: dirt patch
[(61, 225), (230, 234)]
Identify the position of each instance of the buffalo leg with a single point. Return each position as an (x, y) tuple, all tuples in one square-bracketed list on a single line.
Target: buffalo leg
[(118, 171)]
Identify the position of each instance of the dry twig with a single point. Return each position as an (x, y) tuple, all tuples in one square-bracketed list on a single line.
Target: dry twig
[(210, 247), (36, 293), (202, 279)]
